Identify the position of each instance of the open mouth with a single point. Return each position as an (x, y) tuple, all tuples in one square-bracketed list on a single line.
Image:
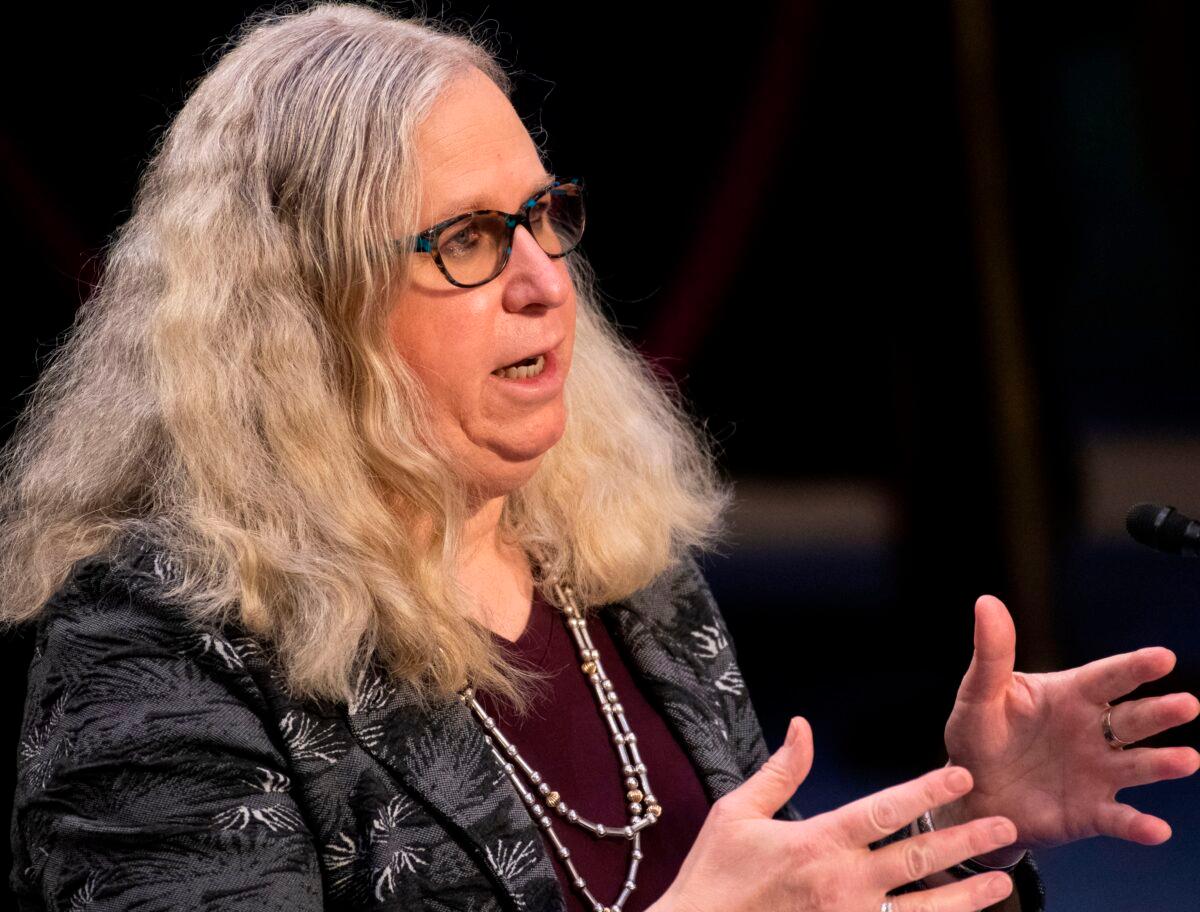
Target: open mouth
[(528, 367)]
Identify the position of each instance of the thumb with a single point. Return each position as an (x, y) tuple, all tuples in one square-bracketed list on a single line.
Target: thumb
[(774, 783), (995, 652)]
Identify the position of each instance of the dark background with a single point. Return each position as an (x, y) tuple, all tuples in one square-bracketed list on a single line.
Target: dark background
[(925, 271)]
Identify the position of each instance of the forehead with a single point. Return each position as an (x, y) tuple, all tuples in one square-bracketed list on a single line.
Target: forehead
[(473, 151)]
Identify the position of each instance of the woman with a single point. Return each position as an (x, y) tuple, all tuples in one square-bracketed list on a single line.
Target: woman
[(304, 539)]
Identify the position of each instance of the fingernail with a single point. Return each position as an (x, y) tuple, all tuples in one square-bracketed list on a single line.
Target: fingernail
[(958, 780), (793, 733), (1003, 832)]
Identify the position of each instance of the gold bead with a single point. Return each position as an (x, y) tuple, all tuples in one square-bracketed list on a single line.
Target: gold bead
[(588, 667), (655, 809), (634, 795), (552, 799)]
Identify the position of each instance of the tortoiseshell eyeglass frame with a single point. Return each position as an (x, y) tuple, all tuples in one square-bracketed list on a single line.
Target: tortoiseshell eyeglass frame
[(424, 242)]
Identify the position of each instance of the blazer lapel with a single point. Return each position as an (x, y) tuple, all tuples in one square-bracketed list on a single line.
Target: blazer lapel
[(441, 755), (683, 660)]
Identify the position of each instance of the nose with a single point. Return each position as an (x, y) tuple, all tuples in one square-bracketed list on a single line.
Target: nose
[(532, 276)]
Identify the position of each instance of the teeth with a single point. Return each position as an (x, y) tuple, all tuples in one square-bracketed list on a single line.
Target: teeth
[(520, 373)]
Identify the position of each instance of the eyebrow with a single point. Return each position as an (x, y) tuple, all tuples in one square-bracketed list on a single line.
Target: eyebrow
[(473, 202)]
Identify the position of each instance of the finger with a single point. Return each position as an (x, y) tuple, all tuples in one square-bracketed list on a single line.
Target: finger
[(916, 858), (995, 652), (1143, 765), (968, 895), (1135, 720), (861, 822), (1124, 822), (1113, 677), (769, 788)]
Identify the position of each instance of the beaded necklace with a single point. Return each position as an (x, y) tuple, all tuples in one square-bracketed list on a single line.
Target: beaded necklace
[(643, 808)]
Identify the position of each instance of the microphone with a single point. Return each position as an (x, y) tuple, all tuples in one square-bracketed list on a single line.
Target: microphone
[(1164, 529)]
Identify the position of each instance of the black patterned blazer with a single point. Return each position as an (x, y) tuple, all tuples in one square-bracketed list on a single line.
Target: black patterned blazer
[(162, 766)]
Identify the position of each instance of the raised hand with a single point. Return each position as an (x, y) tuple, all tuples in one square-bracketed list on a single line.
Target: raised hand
[(743, 859), (1036, 746)]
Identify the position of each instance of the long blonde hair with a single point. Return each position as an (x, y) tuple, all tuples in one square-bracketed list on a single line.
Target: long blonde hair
[(229, 389)]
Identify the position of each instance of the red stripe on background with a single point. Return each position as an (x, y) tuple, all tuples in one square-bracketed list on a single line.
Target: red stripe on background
[(706, 274)]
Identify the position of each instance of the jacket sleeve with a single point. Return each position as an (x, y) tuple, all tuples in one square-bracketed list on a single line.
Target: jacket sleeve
[(147, 779)]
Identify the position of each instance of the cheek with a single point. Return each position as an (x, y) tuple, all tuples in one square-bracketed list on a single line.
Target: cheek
[(444, 358), (445, 374)]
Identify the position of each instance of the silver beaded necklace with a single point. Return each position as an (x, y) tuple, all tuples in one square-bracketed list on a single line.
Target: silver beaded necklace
[(643, 808)]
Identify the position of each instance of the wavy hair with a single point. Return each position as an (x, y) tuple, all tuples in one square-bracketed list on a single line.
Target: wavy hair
[(229, 390)]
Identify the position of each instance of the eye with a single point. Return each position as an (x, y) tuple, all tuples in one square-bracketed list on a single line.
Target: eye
[(539, 212), (459, 241)]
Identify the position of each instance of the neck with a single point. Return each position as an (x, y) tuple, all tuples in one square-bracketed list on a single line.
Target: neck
[(497, 574)]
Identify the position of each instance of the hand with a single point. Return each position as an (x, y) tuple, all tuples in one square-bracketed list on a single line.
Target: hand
[(743, 859), (1036, 748)]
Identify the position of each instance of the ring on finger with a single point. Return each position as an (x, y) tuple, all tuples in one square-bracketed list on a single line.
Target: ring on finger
[(1109, 735)]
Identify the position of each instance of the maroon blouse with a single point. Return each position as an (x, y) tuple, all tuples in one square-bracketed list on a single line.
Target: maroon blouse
[(565, 738)]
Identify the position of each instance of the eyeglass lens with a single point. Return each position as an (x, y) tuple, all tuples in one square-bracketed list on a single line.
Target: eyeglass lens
[(472, 250)]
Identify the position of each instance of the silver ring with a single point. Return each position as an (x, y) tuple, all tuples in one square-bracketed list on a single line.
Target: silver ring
[(886, 907), (1106, 724)]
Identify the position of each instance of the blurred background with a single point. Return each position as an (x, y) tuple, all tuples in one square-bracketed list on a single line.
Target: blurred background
[(925, 272)]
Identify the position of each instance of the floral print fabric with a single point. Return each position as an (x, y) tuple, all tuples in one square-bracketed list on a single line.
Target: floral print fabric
[(163, 766)]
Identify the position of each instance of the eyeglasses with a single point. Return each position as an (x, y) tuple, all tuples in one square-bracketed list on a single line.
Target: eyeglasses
[(473, 248)]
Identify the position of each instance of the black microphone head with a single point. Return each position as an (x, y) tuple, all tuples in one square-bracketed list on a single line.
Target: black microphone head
[(1144, 521), (1163, 528)]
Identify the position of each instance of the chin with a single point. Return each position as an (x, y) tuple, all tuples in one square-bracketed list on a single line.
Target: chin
[(529, 443), (521, 460), (511, 459), (514, 467), (506, 478)]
